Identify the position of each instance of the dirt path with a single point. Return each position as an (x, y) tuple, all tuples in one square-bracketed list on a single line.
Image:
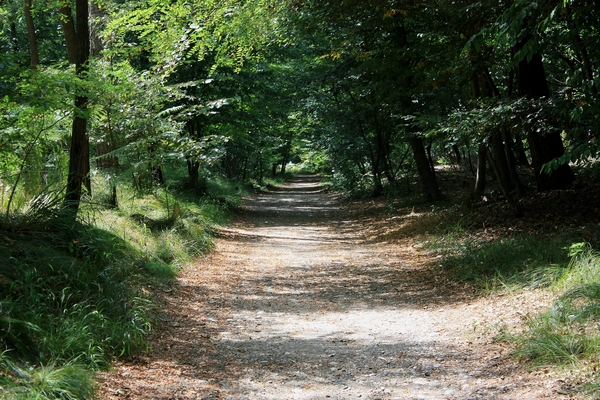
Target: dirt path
[(298, 303)]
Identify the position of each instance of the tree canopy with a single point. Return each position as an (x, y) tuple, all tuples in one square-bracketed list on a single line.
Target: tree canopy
[(372, 93)]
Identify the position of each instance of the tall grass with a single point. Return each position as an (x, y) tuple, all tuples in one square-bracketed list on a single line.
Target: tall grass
[(509, 262), (568, 333), (75, 296)]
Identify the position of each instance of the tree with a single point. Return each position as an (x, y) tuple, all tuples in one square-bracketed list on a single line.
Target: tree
[(79, 154), (544, 146), (33, 46)]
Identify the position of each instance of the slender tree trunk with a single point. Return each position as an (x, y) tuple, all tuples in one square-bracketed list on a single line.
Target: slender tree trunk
[(457, 154), (375, 161), (502, 169), (382, 143), (510, 159), (286, 156), (69, 31), (14, 39), (384, 147), (481, 171), (245, 169), (228, 165), (33, 46), (155, 168), (96, 24), (504, 189), (193, 168), (79, 155), (427, 175), (429, 156)]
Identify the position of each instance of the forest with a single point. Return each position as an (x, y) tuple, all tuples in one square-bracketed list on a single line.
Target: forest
[(130, 130)]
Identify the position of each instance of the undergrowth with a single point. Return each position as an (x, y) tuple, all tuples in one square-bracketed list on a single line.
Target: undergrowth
[(73, 296), (567, 334), (504, 262)]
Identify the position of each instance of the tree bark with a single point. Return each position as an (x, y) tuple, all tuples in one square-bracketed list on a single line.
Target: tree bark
[(510, 159), (196, 183), (532, 83), (481, 172), (31, 36), (68, 26), (509, 198), (96, 24), (14, 39), (432, 190), (457, 155), (426, 173), (79, 156), (500, 161)]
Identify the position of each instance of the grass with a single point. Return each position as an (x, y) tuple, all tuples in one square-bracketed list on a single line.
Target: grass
[(69, 382), (566, 335), (498, 263), (75, 296)]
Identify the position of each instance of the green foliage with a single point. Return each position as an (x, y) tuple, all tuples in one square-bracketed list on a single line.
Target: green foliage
[(192, 101), (75, 296), (34, 123), (70, 290), (519, 261), (49, 382), (567, 333)]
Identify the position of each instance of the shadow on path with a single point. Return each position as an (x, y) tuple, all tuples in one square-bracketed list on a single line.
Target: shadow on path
[(297, 304)]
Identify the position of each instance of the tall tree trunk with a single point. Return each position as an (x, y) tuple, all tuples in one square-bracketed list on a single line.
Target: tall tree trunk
[(501, 162), (69, 31), (286, 156), (429, 156), (193, 168), (245, 168), (427, 175), (33, 46), (79, 156), (501, 154), (14, 38), (228, 164), (96, 25), (374, 155), (532, 83), (382, 143)]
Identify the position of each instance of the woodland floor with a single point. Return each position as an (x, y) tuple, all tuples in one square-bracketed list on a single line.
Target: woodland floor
[(306, 297)]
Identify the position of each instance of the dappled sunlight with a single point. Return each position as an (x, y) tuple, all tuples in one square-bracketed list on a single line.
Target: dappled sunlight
[(304, 299)]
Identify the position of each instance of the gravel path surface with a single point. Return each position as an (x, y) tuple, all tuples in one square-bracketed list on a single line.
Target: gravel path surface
[(297, 302)]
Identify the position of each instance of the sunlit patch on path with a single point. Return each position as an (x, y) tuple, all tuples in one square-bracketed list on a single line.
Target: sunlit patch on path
[(296, 303)]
